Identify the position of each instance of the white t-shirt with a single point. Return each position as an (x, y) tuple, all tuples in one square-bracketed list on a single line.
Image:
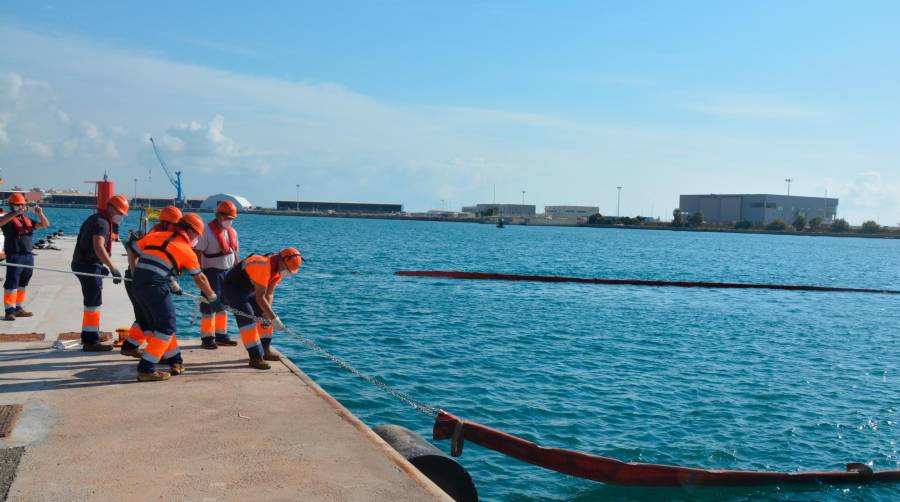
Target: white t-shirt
[(208, 244)]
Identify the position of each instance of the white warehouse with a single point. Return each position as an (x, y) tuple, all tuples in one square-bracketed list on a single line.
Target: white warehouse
[(570, 211)]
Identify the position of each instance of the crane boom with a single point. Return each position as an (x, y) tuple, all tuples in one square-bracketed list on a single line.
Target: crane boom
[(174, 180)]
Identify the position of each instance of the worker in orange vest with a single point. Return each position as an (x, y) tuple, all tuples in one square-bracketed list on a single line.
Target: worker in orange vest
[(93, 255), (140, 328), (250, 288), (17, 245), (163, 256), (218, 251)]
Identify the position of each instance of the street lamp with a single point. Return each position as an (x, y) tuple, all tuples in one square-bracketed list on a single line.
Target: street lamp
[(298, 197), (618, 200), (523, 197), (134, 201), (789, 180)]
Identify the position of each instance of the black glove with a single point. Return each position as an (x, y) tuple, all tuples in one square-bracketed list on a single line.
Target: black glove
[(104, 270), (128, 274), (117, 276)]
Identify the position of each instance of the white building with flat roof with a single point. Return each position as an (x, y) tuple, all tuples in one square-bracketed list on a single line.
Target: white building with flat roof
[(570, 211)]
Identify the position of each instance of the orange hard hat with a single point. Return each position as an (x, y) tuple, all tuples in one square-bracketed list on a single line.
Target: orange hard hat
[(16, 199), (292, 258), (170, 214), (227, 209), (194, 222), (118, 202)]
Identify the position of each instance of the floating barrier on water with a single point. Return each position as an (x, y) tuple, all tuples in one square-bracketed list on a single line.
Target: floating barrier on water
[(444, 471), (633, 282), (612, 471)]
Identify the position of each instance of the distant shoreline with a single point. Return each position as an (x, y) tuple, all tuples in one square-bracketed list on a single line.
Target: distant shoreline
[(522, 222)]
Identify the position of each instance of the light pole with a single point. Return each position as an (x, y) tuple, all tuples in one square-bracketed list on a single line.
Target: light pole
[(298, 197), (789, 180), (523, 197), (618, 200), (134, 201)]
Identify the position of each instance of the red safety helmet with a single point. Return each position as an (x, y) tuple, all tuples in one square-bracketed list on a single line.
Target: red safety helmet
[(170, 214), (16, 199), (292, 258), (193, 221), (227, 209), (119, 203)]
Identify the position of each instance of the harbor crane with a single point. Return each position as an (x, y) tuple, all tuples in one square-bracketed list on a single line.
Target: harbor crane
[(174, 180)]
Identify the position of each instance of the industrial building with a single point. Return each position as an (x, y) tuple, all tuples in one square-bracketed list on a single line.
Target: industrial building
[(761, 209), (505, 210), (213, 201), (338, 207), (570, 211)]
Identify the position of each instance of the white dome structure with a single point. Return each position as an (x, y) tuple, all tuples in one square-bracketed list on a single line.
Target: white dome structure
[(213, 200)]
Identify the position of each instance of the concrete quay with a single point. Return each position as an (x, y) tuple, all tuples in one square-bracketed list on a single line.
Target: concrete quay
[(222, 431)]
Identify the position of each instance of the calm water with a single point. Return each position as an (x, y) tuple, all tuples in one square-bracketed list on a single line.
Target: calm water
[(710, 378)]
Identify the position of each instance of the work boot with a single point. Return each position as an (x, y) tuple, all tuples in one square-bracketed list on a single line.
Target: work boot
[(176, 369), (134, 352), (96, 347), (225, 340), (20, 312), (259, 364), (208, 343), (268, 355), (10, 317), (156, 376)]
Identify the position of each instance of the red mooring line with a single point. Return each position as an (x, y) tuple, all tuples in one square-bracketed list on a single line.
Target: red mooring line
[(632, 282)]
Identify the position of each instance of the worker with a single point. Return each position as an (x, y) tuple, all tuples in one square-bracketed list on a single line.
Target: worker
[(250, 288), (93, 255), (140, 328), (218, 252), (17, 245), (163, 256)]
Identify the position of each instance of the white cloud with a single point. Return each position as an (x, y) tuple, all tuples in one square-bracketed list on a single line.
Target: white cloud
[(868, 197), (40, 149), (755, 108)]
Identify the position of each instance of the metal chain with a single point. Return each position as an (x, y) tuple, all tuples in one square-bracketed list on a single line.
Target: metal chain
[(415, 404)]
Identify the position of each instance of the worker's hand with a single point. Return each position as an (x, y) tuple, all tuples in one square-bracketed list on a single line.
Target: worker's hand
[(266, 323), (38, 210), (104, 270), (277, 325), (175, 288), (117, 276), (215, 303)]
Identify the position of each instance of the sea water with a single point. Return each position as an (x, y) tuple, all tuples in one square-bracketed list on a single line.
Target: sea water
[(723, 379)]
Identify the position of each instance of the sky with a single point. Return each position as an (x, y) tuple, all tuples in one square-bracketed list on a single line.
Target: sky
[(437, 104)]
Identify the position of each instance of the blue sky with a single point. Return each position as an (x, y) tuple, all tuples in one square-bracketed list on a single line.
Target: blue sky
[(418, 102)]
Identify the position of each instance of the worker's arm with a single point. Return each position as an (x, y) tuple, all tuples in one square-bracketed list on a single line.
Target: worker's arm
[(263, 301), (6, 218), (203, 285), (42, 222), (100, 250), (132, 259)]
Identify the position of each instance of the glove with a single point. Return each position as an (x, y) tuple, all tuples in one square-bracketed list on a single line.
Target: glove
[(266, 323), (128, 274), (174, 288), (117, 276), (277, 325), (215, 303), (104, 270)]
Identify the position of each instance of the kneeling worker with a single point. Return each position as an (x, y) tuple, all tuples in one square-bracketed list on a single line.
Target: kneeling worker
[(17, 245), (250, 287), (163, 255), (92, 252), (140, 329)]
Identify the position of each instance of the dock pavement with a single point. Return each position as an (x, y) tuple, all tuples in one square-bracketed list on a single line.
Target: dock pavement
[(222, 431)]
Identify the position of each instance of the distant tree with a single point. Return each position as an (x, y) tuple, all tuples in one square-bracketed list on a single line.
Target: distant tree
[(677, 218), (870, 227), (627, 220), (814, 224), (743, 225), (799, 223), (695, 220), (840, 225), (596, 219), (777, 224)]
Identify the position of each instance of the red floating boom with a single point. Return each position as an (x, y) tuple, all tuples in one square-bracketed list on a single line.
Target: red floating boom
[(632, 282), (612, 471)]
